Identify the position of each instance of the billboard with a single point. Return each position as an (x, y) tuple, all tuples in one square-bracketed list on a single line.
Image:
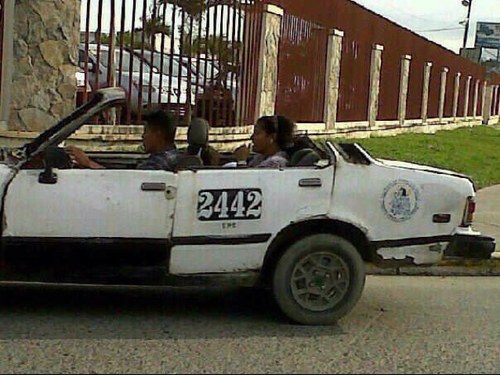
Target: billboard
[(472, 54), (488, 35)]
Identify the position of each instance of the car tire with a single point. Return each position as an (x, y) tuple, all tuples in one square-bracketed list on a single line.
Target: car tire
[(318, 279)]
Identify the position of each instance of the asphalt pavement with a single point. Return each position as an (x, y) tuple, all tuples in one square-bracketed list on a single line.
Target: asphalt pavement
[(401, 325)]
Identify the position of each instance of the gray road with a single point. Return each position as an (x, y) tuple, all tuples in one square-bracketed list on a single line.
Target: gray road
[(401, 324)]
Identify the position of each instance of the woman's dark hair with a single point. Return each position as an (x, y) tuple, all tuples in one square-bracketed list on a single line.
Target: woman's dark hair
[(283, 127)]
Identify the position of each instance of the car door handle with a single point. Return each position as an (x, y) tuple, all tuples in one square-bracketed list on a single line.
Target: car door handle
[(310, 182), (153, 186)]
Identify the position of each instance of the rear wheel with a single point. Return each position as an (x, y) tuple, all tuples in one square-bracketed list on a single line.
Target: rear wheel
[(319, 279)]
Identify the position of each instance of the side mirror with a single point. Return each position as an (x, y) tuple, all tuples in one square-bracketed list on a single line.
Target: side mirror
[(55, 157)]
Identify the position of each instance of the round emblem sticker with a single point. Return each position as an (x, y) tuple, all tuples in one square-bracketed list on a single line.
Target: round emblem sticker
[(400, 200)]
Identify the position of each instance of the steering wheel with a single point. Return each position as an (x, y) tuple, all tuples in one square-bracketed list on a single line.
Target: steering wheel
[(56, 156)]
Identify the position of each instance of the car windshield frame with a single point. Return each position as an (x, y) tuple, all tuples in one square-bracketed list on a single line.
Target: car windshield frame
[(102, 100)]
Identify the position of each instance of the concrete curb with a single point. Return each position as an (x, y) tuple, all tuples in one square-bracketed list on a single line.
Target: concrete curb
[(489, 267)]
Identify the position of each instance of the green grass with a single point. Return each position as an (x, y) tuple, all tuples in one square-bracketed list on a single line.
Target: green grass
[(471, 151)]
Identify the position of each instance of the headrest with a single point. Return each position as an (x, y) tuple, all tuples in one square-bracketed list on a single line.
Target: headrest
[(304, 157), (198, 132), (309, 160)]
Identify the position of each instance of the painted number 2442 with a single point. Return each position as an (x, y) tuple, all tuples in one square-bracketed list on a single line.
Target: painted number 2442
[(229, 204)]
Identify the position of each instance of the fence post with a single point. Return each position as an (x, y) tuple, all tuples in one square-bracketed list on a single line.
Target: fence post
[(442, 93), (425, 91), (476, 99), (375, 71), (498, 106), (487, 99), (483, 96), (334, 59), (456, 95), (494, 101), (267, 83), (7, 64), (467, 97), (403, 88)]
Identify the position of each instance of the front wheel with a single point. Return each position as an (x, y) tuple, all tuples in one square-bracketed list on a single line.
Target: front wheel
[(319, 279)]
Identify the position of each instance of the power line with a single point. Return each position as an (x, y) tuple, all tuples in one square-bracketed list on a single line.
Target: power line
[(411, 14), (438, 30), (421, 17)]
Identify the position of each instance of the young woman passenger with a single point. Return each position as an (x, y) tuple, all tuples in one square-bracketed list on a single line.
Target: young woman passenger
[(272, 136)]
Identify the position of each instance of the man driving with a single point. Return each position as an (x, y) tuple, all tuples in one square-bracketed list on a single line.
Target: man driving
[(158, 140)]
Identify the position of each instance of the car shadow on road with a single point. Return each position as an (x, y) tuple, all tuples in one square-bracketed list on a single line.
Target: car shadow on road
[(74, 312)]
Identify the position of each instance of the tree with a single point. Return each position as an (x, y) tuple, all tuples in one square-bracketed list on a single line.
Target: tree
[(194, 41), (154, 25)]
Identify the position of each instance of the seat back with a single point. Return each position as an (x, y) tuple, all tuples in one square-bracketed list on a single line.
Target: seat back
[(188, 161), (304, 158)]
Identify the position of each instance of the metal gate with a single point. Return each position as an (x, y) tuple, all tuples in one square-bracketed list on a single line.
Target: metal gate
[(184, 56)]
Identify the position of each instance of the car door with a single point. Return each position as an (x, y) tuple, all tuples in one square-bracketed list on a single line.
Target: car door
[(226, 218), (89, 219)]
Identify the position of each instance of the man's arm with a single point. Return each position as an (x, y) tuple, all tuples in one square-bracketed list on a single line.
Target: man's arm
[(82, 159)]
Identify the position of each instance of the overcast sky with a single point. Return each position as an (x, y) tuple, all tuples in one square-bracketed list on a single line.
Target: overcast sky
[(421, 16), (424, 15)]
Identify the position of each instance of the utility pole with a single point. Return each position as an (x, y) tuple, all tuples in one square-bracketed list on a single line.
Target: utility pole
[(467, 3)]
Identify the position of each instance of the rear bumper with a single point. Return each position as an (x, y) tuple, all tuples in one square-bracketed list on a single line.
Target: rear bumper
[(470, 246)]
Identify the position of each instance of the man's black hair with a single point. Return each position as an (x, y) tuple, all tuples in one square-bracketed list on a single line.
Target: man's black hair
[(162, 121)]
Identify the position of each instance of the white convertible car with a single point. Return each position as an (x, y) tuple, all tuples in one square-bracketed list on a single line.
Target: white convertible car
[(304, 232)]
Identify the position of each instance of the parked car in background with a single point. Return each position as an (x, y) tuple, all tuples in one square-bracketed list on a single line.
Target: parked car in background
[(213, 95), (144, 86), (82, 88), (171, 65), (217, 101)]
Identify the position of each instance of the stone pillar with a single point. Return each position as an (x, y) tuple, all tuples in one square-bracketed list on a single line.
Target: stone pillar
[(476, 99), (267, 83), (46, 38), (467, 96), (425, 91), (442, 93), (487, 100), (375, 71), (332, 84), (7, 65), (404, 80), (456, 95)]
